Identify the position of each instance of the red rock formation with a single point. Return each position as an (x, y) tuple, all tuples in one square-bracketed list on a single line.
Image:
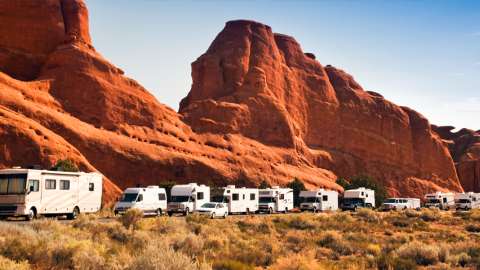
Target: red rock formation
[(259, 109)]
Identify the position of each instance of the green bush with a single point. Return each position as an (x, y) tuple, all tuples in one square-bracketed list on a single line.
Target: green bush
[(264, 185), (167, 185), (388, 262), (130, 217), (463, 259), (67, 166), (297, 186), (367, 181), (11, 265), (473, 227), (421, 253), (431, 214), (229, 264)]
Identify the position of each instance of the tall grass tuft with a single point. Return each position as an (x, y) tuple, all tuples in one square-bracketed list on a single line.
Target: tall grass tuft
[(130, 217)]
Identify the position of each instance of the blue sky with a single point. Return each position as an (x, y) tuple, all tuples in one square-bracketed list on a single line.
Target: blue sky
[(420, 54)]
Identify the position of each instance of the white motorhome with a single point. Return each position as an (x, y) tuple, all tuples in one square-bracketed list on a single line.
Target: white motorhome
[(444, 201), (33, 191), (358, 198), (187, 198), (238, 200), (318, 200), (467, 200), (275, 199), (401, 204), (152, 200)]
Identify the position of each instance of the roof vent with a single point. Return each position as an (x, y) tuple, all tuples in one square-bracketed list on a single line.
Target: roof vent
[(275, 187), (57, 169), (34, 167), (153, 187), (16, 167), (137, 186)]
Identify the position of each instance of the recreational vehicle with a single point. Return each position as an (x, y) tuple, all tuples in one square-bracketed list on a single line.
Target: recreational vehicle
[(275, 199), (238, 200), (401, 204), (33, 191), (467, 200), (358, 198), (187, 198), (444, 201), (152, 200), (318, 200)]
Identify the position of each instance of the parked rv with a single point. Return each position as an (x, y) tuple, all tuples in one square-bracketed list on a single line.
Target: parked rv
[(187, 198), (444, 201), (358, 198), (275, 199), (213, 210), (401, 204), (33, 191), (318, 200), (238, 200), (467, 201), (152, 200)]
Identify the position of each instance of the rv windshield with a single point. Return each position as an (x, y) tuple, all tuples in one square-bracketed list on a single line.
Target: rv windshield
[(463, 201), (209, 205), (129, 197), (266, 199), (13, 184), (180, 198), (310, 199), (390, 201), (217, 199), (433, 201)]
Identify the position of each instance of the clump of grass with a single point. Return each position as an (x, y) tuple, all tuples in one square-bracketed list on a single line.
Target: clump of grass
[(368, 215), (389, 232), (11, 265), (409, 212), (422, 254), (431, 214), (473, 227), (130, 217)]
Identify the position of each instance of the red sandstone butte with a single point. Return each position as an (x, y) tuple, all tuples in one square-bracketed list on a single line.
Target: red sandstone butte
[(259, 108)]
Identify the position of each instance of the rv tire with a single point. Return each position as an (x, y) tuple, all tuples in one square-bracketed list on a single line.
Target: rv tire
[(466, 208), (3, 217), (170, 214), (270, 211), (187, 211), (32, 214), (158, 212), (448, 208), (355, 209), (247, 212), (394, 208), (213, 215), (286, 210), (314, 209), (225, 215), (74, 214)]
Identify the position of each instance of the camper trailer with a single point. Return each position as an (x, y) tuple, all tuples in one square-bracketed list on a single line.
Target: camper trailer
[(33, 191), (238, 200), (358, 198), (152, 200), (401, 204), (444, 201), (318, 200), (467, 201), (275, 199), (187, 198)]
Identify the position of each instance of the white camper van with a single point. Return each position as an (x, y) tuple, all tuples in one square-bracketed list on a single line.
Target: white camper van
[(318, 200), (187, 198), (358, 198), (441, 200), (32, 191), (152, 200), (401, 204), (275, 199), (238, 200), (467, 201)]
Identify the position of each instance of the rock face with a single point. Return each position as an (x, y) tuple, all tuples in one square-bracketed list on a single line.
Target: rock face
[(464, 147), (259, 108)]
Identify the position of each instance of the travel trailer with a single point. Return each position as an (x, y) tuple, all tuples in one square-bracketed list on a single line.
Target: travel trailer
[(152, 200), (33, 191), (275, 199), (444, 201), (238, 200), (187, 198), (467, 201), (401, 204), (358, 198), (318, 200)]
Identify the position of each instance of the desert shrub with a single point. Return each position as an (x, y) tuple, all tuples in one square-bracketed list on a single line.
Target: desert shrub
[(296, 261), (368, 215), (473, 227), (196, 221), (452, 260), (159, 256), (373, 249), (440, 266), (342, 217), (107, 211), (431, 214), (191, 244), (170, 225), (229, 264), (388, 262), (84, 221), (409, 212), (213, 242), (67, 165), (130, 217), (264, 185), (443, 251), (421, 253), (463, 259), (302, 221), (389, 232), (267, 226), (401, 223), (11, 265), (145, 224), (336, 242)]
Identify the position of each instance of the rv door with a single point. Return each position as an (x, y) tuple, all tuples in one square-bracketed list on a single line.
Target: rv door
[(34, 191)]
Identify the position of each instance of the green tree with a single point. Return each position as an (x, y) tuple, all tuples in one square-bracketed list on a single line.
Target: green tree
[(264, 185), (211, 185), (369, 182), (297, 186), (167, 185), (342, 182), (67, 166)]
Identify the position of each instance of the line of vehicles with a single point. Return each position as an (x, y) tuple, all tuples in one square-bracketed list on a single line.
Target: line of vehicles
[(33, 191)]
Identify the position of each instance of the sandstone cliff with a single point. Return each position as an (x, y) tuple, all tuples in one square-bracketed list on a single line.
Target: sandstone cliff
[(259, 108)]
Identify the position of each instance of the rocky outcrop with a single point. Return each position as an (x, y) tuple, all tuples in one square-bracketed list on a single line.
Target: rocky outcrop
[(259, 108), (464, 146)]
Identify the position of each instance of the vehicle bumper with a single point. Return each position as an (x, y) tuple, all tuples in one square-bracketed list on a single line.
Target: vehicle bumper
[(176, 210), (14, 210), (121, 211), (204, 213)]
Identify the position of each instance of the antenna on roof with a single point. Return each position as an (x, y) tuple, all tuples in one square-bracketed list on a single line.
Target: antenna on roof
[(137, 186)]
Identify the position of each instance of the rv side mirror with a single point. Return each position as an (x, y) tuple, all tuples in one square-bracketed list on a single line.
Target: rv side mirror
[(193, 199), (117, 199)]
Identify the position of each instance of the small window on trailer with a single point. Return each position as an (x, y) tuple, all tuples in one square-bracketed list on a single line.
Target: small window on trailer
[(91, 186), (282, 196), (235, 197), (252, 196), (199, 195), (161, 197), (325, 198), (50, 184), (64, 185), (243, 196)]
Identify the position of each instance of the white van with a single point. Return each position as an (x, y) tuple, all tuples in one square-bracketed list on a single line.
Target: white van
[(467, 201), (401, 204), (187, 198), (318, 200), (151, 200), (32, 191), (238, 200), (444, 201), (358, 198), (275, 199)]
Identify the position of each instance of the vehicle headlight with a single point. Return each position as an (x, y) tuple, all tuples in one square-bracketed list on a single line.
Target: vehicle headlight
[(182, 206), (21, 208)]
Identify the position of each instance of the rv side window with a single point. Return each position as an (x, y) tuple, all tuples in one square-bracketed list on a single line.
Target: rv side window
[(64, 185), (366, 195), (405, 201), (243, 196), (362, 193), (235, 197), (474, 199), (140, 198), (282, 196), (91, 186), (50, 184), (34, 184), (325, 198), (161, 197), (228, 191), (444, 200), (252, 196), (199, 195)]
